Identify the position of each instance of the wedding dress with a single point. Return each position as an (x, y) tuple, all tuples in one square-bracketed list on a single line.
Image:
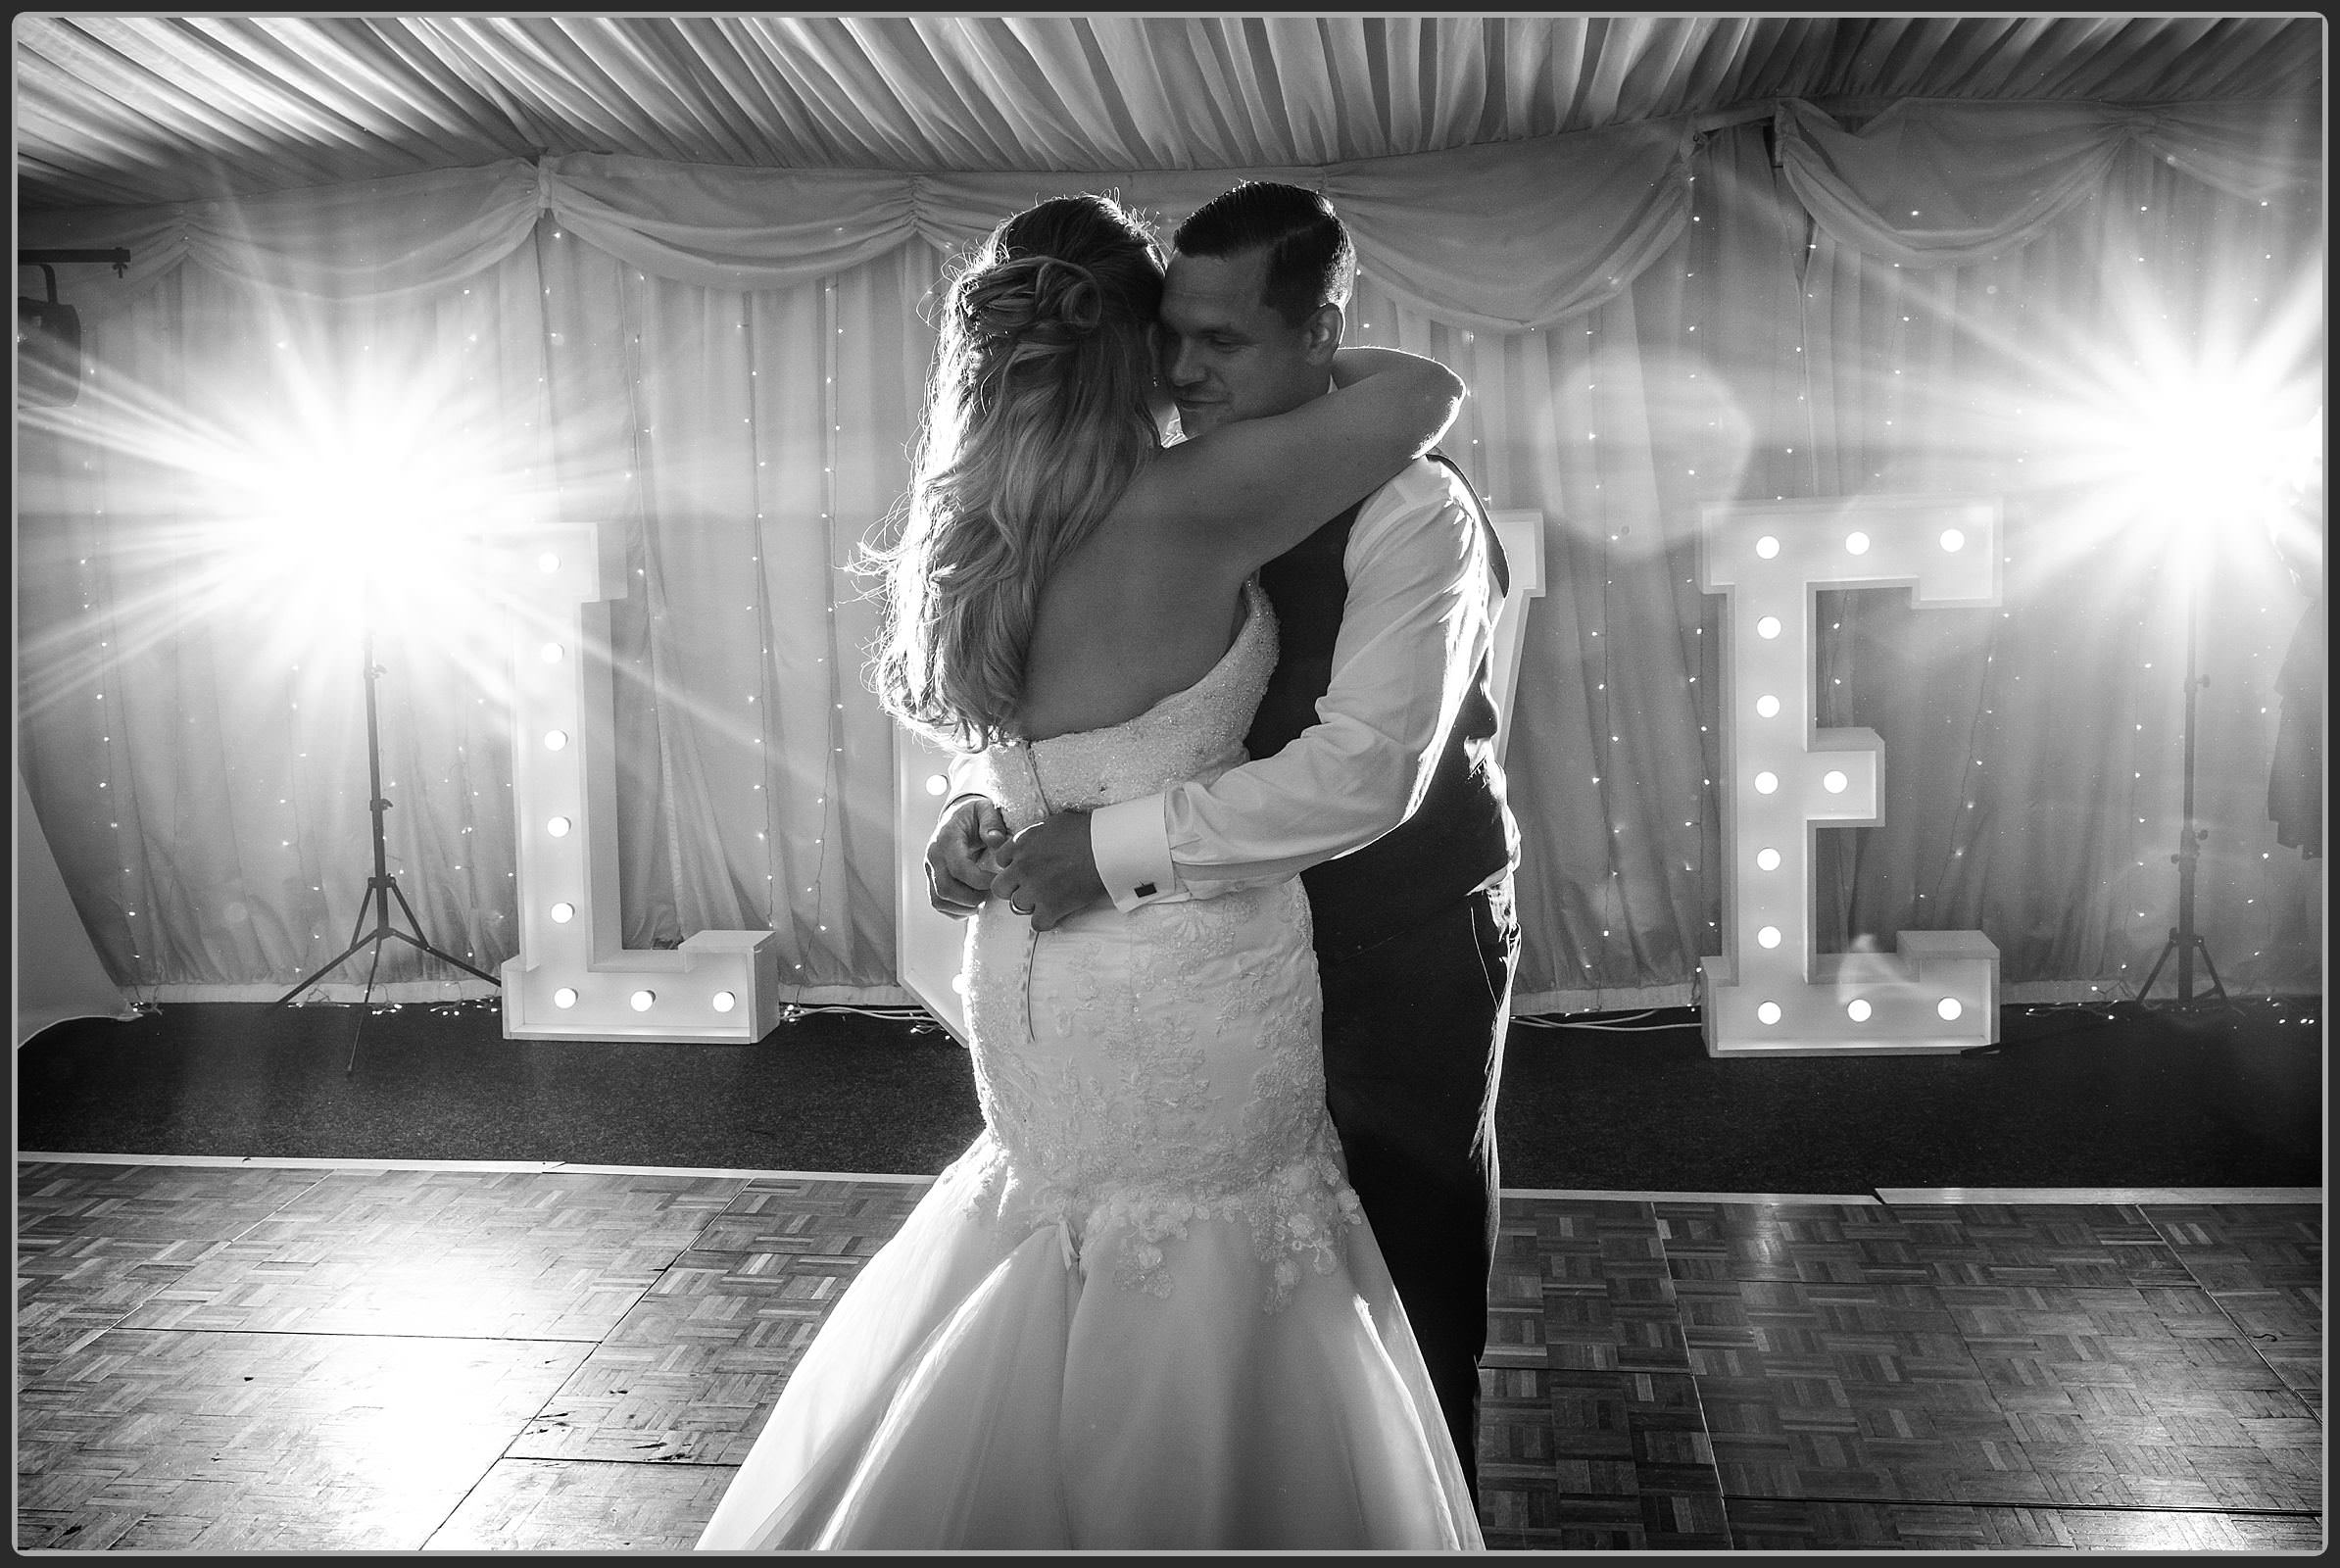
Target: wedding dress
[(1142, 1311)]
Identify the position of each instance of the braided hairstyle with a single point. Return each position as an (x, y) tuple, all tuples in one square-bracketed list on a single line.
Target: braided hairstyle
[(1036, 421)]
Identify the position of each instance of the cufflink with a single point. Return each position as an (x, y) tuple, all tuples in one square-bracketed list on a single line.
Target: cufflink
[(1146, 890)]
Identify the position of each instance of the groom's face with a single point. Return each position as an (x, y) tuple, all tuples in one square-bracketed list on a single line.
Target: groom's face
[(1228, 354)]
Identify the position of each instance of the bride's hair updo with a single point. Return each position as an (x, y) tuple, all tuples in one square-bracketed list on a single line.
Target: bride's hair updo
[(1036, 419)]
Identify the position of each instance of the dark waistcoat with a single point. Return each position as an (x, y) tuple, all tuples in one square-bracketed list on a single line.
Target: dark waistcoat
[(1462, 837)]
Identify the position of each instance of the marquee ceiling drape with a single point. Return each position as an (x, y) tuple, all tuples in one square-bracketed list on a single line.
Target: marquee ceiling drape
[(1582, 214), (1586, 213), (131, 110), (724, 361)]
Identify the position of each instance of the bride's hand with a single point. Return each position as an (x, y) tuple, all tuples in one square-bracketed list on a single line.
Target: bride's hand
[(960, 862)]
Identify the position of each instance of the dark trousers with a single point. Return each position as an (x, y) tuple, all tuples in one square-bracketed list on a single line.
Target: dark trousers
[(1413, 1053)]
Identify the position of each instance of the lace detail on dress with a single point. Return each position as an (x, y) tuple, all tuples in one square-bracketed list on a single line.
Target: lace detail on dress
[(1142, 1072)]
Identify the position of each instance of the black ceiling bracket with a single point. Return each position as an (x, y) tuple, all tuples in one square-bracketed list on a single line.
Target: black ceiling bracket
[(121, 259)]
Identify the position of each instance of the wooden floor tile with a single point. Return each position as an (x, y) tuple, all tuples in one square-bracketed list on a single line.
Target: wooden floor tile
[(695, 1366), (2251, 1246), (1980, 1354), (1807, 1526), (579, 1506), (147, 1204), (830, 1216), (216, 1442), (96, 1241), (453, 1254), (2262, 1264), (1631, 1465)]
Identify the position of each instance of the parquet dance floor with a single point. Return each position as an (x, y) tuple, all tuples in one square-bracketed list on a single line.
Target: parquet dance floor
[(224, 1355)]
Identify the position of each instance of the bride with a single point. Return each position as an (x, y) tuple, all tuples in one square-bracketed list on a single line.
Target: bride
[(1144, 1310)]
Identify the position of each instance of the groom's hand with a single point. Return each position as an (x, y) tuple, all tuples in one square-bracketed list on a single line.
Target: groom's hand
[(959, 863), (1050, 872)]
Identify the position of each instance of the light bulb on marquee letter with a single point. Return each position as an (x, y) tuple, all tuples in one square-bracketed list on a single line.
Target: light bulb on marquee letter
[(573, 977), (1783, 778)]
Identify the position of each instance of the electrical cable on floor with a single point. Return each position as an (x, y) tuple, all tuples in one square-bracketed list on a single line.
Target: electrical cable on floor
[(790, 1013), (442, 1007), (793, 1011), (1626, 1024)]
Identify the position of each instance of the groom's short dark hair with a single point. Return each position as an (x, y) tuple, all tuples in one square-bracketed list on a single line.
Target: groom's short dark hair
[(1311, 258)]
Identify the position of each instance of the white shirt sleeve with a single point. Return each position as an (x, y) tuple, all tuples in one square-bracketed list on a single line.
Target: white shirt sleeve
[(1418, 618), (966, 773)]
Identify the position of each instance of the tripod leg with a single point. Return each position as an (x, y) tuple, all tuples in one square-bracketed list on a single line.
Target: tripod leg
[(417, 940), (347, 954), (371, 969), (2155, 972), (2204, 949), (400, 893), (445, 957)]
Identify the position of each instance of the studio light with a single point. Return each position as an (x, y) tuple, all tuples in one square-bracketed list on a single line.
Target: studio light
[(2203, 463), (369, 518), (358, 500), (377, 513), (49, 359), (48, 350), (2204, 454)]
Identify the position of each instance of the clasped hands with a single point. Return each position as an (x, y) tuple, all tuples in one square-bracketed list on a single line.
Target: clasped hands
[(1046, 871)]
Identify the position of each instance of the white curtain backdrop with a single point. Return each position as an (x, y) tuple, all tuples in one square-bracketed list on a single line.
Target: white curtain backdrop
[(58, 975), (727, 363)]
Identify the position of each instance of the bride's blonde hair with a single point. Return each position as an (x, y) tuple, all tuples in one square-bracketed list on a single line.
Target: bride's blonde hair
[(1036, 421)]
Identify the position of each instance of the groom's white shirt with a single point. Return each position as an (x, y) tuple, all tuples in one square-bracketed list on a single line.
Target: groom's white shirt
[(1418, 618)]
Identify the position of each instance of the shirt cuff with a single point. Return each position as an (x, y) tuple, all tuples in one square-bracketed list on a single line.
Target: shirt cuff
[(1131, 843)]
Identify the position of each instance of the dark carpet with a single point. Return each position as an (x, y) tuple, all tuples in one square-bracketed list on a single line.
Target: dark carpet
[(2104, 1096)]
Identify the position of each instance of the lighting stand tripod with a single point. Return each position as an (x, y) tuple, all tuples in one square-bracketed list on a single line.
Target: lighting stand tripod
[(381, 887), (2184, 941)]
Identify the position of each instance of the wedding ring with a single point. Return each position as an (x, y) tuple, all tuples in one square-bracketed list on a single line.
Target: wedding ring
[(1017, 908)]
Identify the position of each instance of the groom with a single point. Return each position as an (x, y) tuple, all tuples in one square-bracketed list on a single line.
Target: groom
[(1374, 777)]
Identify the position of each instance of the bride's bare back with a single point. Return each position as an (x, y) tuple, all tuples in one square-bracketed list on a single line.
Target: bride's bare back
[(1122, 625), (1149, 603)]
